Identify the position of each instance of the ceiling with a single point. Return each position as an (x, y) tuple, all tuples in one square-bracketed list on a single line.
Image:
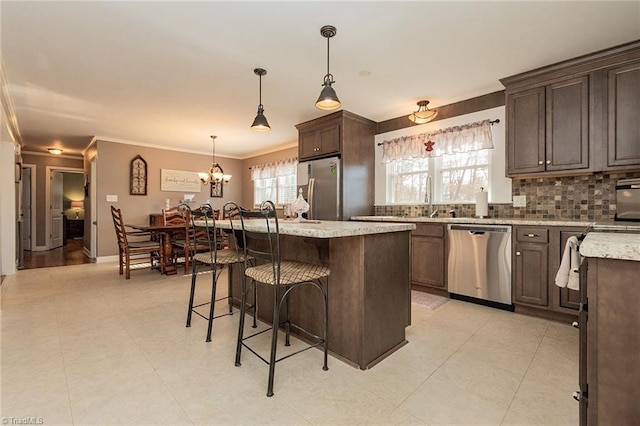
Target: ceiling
[(169, 74)]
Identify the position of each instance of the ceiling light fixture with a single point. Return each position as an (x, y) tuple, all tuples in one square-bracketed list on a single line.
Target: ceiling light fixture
[(54, 151), (260, 123), (328, 99), (215, 175), (423, 114)]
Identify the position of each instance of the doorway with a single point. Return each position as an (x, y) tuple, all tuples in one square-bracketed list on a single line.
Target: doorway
[(64, 219)]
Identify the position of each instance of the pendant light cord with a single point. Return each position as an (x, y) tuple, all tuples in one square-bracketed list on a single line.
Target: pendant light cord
[(328, 38)]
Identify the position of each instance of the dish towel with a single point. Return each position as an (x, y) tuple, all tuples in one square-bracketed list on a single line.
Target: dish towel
[(568, 274)]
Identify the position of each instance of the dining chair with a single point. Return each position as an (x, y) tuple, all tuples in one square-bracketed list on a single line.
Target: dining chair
[(175, 216), (284, 276), (130, 250), (203, 234)]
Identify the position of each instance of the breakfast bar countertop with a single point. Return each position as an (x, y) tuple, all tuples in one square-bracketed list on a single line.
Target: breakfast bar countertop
[(587, 224), (323, 228), (611, 246)]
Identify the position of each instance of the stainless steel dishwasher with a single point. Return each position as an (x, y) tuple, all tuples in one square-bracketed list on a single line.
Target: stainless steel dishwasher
[(479, 264)]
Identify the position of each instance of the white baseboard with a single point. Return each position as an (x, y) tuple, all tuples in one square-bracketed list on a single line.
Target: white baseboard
[(40, 248), (106, 259)]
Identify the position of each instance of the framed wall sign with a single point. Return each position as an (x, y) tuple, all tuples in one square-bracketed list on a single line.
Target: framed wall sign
[(216, 190), (138, 176), (179, 181)]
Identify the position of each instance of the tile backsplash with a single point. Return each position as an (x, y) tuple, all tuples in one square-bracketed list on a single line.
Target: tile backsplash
[(590, 197)]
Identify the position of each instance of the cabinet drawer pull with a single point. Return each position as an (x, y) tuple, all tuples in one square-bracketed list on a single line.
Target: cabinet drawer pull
[(575, 324), (533, 235), (518, 253), (576, 395)]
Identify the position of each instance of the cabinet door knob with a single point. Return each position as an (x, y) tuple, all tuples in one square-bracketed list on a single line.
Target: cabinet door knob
[(518, 253), (548, 161), (575, 324), (576, 395), (540, 162)]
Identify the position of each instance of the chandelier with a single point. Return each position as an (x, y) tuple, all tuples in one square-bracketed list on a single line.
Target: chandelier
[(215, 175)]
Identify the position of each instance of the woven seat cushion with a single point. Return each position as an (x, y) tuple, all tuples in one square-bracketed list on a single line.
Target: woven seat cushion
[(291, 272), (225, 256)]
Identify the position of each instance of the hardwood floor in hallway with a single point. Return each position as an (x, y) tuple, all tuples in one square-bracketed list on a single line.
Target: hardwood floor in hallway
[(69, 254)]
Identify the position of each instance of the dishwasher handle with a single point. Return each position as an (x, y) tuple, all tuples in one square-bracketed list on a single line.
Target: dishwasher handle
[(480, 230)]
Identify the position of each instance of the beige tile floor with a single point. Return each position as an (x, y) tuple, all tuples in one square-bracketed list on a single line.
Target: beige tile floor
[(81, 345)]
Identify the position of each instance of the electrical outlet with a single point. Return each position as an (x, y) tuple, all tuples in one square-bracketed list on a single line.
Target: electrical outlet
[(519, 201), (112, 198)]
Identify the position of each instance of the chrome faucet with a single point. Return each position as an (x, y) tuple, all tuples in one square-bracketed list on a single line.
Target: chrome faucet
[(428, 197)]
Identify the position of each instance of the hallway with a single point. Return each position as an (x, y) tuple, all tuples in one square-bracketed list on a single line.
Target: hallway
[(69, 254)]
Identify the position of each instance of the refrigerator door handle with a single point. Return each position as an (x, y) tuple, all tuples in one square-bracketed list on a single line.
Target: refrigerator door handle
[(310, 197)]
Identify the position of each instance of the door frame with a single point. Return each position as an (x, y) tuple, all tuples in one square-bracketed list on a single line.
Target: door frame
[(93, 191), (34, 206), (51, 169)]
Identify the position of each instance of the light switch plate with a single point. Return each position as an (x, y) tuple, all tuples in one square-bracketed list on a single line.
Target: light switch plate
[(519, 201), (112, 198)]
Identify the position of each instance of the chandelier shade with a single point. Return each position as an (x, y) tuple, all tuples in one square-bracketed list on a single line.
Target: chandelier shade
[(215, 174), (423, 114), (260, 123), (328, 98)]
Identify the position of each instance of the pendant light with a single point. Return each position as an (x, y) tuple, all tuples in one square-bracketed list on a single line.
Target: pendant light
[(260, 123), (215, 174), (423, 114), (328, 99)]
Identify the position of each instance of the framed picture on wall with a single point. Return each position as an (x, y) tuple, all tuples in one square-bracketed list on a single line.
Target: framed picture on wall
[(216, 190), (138, 176)]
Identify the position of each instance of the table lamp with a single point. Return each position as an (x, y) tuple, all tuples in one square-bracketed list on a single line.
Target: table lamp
[(77, 205)]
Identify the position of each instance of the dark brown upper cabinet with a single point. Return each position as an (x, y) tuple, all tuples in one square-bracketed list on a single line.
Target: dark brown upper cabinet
[(623, 116), (578, 116)]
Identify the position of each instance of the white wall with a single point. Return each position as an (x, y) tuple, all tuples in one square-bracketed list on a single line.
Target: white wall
[(500, 191), (7, 209)]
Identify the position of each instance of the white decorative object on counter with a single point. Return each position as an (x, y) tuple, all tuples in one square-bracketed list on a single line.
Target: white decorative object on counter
[(482, 203), (299, 206)]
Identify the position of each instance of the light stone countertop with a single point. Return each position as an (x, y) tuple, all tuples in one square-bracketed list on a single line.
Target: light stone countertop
[(611, 246), (587, 225), (322, 229)]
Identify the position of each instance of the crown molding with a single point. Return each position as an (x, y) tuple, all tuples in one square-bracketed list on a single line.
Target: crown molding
[(7, 106)]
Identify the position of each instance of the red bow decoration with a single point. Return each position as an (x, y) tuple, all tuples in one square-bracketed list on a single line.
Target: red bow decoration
[(429, 146)]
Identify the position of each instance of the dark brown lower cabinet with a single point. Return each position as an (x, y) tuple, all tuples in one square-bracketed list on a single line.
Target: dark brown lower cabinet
[(610, 343), (537, 254), (428, 256), (531, 275)]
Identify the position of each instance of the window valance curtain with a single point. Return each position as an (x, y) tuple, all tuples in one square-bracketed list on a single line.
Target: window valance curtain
[(465, 138), (272, 170)]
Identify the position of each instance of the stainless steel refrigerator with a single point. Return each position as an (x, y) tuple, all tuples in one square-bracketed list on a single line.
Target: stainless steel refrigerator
[(320, 183)]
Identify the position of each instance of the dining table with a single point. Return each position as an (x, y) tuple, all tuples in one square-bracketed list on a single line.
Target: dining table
[(165, 233)]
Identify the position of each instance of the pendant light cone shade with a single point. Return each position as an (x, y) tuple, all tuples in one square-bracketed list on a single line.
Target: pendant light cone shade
[(423, 114), (260, 123), (328, 99)]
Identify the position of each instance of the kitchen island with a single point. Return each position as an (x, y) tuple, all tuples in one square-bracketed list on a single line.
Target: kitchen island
[(609, 323), (369, 287)]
